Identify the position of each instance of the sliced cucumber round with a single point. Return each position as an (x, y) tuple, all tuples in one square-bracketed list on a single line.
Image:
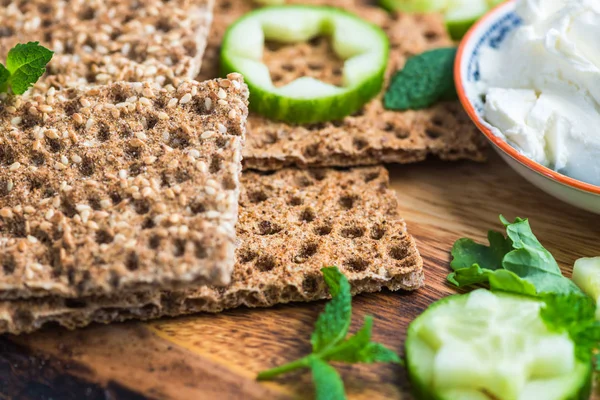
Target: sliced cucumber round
[(586, 275), (363, 46), (459, 15), (484, 346)]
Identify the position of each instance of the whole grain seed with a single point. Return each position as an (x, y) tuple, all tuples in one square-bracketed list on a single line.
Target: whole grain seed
[(185, 99), (222, 94)]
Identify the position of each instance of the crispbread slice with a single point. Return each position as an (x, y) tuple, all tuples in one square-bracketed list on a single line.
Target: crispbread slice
[(103, 41), (371, 136), (121, 187), (292, 223)]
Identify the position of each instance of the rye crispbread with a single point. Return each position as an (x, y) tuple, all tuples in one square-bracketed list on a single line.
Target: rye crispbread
[(292, 223), (371, 136), (103, 41), (120, 187)]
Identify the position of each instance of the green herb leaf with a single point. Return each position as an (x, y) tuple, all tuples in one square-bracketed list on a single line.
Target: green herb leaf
[(516, 263), (333, 324), (26, 64), (4, 75), (500, 279), (576, 315), (425, 79), (359, 348), (330, 343), (328, 383)]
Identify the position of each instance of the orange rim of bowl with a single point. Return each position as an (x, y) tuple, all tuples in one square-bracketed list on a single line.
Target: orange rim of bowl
[(504, 146)]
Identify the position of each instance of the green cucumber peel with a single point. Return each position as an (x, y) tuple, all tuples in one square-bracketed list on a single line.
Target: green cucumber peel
[(364, 47), (329, 342), (425, 79), (516, 263), (459, 15)]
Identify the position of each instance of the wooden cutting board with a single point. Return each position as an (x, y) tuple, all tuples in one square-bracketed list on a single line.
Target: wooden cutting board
[(218, 356)]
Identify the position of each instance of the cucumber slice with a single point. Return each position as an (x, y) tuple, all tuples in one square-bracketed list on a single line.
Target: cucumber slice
[(363, 46), (459, 15), (484, 346), (586, 275)]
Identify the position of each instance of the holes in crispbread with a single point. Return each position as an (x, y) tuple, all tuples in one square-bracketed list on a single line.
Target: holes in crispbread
[(151, 122), (265, 263), (4, 188), (360, 143), (200, 250), (347, 201), (356, 264), (148, 223), (246, 255), (197, 206), (352, 232), (8, 264), (7, 155), (215, 164), (229, 182), (257, 196), (399, 252), (295, 201), (179, 247), (311, 150), (310, 284), (179, 139), (304, 181), (86, 166), (268, 228), (103, 133), (318, 174), (377, 231), (431, 36), (37, 159), (53, 145), (87, 14), (307, 250), (323, 230), (308, 215), (141, 206), (434, 132), (154, 242), (116, 198), (132, 263), (104, 237)]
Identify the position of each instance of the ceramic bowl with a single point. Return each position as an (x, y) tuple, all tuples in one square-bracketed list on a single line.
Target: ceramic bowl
[(492, 30)]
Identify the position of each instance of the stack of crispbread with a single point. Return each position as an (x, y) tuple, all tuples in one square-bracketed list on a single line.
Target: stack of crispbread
[(137, 218)]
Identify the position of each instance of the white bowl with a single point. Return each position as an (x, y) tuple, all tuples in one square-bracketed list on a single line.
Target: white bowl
[(491, 30)]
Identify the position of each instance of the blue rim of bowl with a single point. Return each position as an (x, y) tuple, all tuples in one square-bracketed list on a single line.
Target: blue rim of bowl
[(472, 113)]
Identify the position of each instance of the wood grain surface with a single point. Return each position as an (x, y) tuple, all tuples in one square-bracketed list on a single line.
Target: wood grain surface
[(218, 356)]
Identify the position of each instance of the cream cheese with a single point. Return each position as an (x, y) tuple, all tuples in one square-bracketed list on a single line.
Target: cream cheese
[(542, 86)]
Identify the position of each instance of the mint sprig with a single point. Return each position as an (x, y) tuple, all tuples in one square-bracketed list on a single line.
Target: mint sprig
[(330, 344), (425, 79), (516, 263), (25, 64)]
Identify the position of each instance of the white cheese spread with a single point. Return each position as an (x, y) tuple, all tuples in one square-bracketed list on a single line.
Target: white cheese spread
[(542, 86)]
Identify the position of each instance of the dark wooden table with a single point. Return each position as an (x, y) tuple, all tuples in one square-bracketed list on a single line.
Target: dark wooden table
[(218, 356)]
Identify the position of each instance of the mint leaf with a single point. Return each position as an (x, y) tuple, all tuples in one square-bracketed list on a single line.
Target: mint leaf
[(333, 324), (576, 315), (26, 64), (425, 79), (359, 348), (330, 343), (516, 263), (4, 75), (328, 383)]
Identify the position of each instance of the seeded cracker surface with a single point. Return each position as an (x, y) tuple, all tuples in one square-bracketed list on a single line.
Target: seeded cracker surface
[(292, 223), (98, 42), (371, 136), (120, 187)]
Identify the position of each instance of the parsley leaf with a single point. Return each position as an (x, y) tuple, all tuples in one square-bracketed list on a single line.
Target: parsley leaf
[(330, 343), (575, 315), (425, 79), (516, 263), (25, 64)]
